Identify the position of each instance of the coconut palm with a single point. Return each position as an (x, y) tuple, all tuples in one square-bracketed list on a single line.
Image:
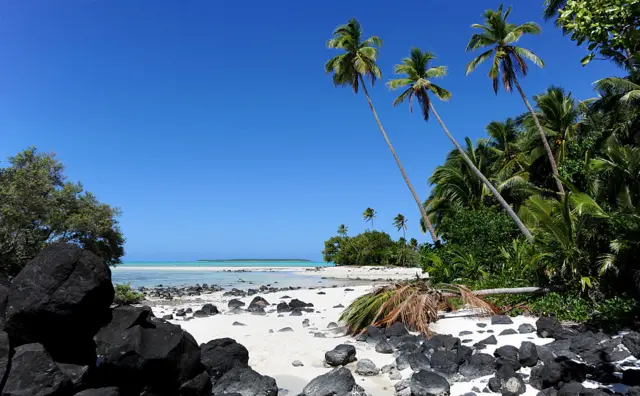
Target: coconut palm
[(416, 83), (368, 215), (342, 230), (551, 8), (413, 244), (509, 61), (629, 89), (400, 222), (350, 69)]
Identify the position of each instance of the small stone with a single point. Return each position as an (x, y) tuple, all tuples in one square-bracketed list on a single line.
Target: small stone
[(384, 347), (387, 368), (395, 375), (465, 333), (332, 325), (508, 332), (305, 323), (238, 324), (501, 320), (338, 306), (482, 325), (491, 340), (526, 328), (319, 335), (285, 330), (297, 363)]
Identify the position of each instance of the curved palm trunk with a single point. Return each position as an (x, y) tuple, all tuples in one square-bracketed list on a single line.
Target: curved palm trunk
[(543, 136), (486, 182), (434, 237)]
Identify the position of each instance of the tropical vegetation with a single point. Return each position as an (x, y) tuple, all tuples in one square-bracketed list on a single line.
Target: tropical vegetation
[(549, 198)]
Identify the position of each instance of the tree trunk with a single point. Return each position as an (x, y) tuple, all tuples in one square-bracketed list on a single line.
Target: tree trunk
[(515, 290), (486, 182), (423, 211), (543, 136)]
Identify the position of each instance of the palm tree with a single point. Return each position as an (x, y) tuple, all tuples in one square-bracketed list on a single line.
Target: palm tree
[(509, 60), (350, 69), (368, 215), (417, 72), (342, 230), (413, 244), (400, 222), (551, 8)]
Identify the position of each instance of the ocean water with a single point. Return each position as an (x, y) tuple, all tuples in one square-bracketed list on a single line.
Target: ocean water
[(149, 274)]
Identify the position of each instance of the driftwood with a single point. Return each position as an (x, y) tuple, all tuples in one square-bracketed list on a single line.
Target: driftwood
[(513, 290)]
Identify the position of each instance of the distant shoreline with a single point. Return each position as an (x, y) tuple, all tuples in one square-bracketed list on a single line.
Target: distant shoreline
[(256, 261)]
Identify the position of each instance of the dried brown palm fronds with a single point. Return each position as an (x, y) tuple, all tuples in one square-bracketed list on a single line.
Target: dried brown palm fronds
[(415, 303)]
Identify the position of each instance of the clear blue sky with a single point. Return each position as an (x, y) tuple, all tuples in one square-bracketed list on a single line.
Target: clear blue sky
[(212, 126)]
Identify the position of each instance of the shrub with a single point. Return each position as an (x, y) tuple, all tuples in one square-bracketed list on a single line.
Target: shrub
[(125, 295)]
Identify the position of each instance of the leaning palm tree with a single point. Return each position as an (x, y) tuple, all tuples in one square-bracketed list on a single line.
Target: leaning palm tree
[(417, 74), (350, 69), (368, 215), (400, 222), (509, 60)]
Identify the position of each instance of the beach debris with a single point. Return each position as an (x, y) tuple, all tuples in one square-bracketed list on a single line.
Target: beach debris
[(340, 355), (366, 368)]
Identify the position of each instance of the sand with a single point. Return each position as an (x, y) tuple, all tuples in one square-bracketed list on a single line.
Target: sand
[(273, 353)]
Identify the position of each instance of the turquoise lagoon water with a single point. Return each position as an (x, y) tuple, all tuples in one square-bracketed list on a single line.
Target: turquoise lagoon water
[(172, 273)]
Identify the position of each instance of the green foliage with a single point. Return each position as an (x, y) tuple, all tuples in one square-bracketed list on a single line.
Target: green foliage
[(125, 295), (608, 26), (369, 248), (38, 206)]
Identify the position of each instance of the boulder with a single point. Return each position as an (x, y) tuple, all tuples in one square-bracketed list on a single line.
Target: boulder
[(551, 373), (507, 382), (139, 351), (632, 342), (223, 354), (501, 320), (78, 375), (403, 361), (110, 391), (506, 332), (257, 302), (200, 385), (296, 304), (571, 389), (235, 303), (507, 354), (479, 365), (62, 297), (200, 314), (528, 354), (283, 307), (384, 347), (366, 368), (296, 312), (417, 361), (491, 340), (337, 382), (332, 325), (631, 377), (374, 335), (5, 356), (340, 355), (246, 382), (445, 342), (463, 354), (34, 373), (526, 328), (548, 327), (427, 383), (396, 330), (445, 363), (465, 333), (210, 309)]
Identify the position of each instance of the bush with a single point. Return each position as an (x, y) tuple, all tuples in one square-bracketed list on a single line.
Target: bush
[(369, 248), (125, 295)]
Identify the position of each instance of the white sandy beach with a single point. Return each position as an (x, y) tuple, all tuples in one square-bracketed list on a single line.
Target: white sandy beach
[(346, 273), (273, 353)]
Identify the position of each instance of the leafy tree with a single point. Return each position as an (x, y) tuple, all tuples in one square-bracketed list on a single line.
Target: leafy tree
[(368, 248), (413, 244), (508, 61), (350, 69), (38, 206), (609, 26), (125, 295), (400, 222), (417, 74), (369, 215)]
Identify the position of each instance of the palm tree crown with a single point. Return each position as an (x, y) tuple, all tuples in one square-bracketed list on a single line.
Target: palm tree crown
[(342, 230), (358, 59), (368, 215), (500, 36), (417, 74), (400, 222)]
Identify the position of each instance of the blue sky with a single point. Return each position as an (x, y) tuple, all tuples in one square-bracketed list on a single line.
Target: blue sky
[(213, 127)]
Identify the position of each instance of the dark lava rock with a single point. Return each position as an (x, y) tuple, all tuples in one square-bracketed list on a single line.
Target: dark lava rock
[(396, 330), (465, 333), (340, 355), (427, 383), (507, 332), (501, 320), (444, 362), (366, 368), (338, 306), (384, 347), (238, 324), (77, 374), (631, 377), (295, 303), (257, 311), (283, 307), (463, 354), (296, 312), (482, 325), (526, 328), (491, 340), (235, 303), (479, 365), (402, 361), (180, 312), (210, 309), (374, 335), (223, 354), (34, 373), (246, 382), (200, 385), (417, 361), (633, 391), (188, 310), (507, 354), (571, 389), (445, 342), (548, 327), (138, 350), (337, 382), (528, 354), (321, 293), (60, 298), (632, 342), (5, 355), (285, 330), (200, 314), (319, 335), (110, 391), (257, 305), (551, 373), (332, 325), (167, 317)]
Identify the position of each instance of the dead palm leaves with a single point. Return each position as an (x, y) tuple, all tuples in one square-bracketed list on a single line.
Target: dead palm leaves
[(415, 303)]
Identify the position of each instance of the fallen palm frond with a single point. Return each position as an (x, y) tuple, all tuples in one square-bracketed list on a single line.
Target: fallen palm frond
[(415, 303)]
